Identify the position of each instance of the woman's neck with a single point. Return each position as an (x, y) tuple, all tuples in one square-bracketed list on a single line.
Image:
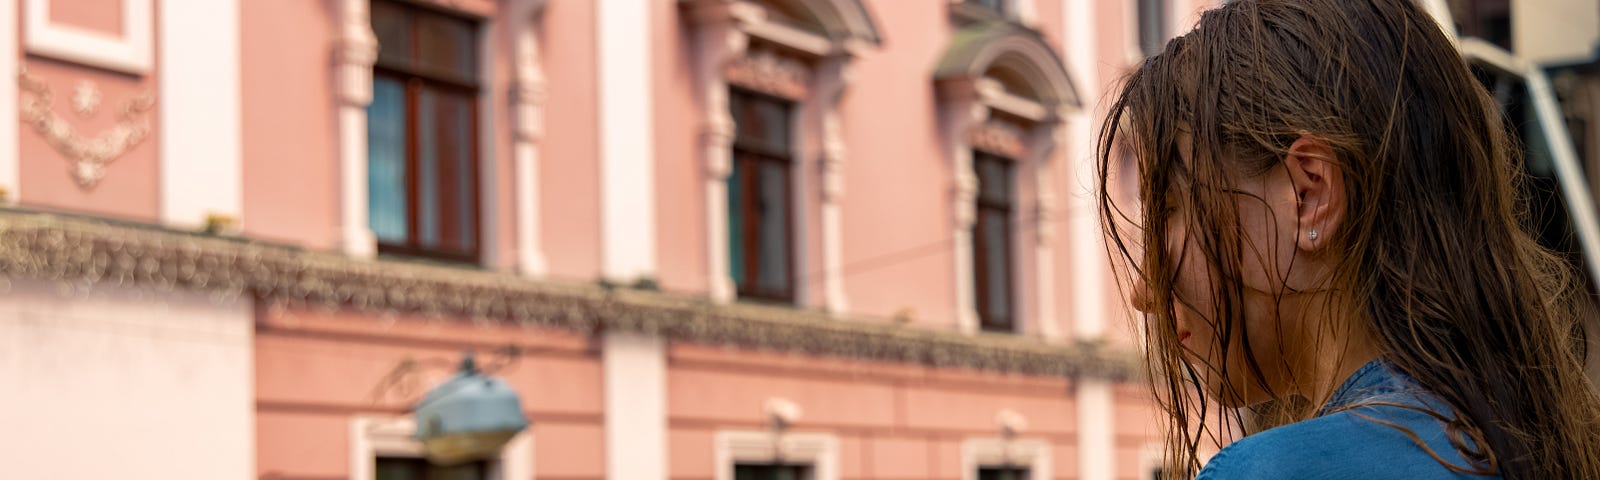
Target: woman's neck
[(1344, 345)]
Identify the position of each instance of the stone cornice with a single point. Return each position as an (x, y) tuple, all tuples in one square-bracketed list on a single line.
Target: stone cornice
[(83, 251)]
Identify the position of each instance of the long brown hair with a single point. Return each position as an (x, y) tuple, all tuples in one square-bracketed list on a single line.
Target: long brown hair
[(1435, 256)]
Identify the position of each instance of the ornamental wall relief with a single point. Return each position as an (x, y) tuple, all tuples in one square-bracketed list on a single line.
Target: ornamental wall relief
[(87, 157), (770, 72)]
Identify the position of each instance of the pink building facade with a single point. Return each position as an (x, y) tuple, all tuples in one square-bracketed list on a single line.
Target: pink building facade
[(725, 239)]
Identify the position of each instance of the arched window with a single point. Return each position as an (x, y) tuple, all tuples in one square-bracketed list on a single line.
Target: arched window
[(1003, 91), (769, 76)]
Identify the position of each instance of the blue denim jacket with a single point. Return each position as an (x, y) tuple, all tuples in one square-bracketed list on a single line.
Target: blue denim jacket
[(1343, 445)]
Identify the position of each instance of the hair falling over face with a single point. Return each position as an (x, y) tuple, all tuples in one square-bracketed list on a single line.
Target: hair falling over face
[(1434, 258)]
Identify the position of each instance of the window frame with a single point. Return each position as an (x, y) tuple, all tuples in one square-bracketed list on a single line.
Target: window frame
[(750, 156), (1006, 209), (818, 450), (414, 79), (1026, 453), (374, 436)]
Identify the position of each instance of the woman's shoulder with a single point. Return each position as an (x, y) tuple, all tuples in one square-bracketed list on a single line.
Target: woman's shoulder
[(1364, 443)]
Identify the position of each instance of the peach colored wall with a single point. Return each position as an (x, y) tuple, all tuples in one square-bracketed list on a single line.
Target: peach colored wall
[(98, 15), (891, 129), (130, 188), (680, 174), (893, 421), (315, 370), (569, 154), (290, 151)]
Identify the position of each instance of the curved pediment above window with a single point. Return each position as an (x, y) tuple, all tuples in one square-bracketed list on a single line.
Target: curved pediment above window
[(839, 20), (814, 28), (1010, 67)]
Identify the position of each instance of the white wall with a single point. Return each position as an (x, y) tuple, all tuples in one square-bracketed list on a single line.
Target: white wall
[(119, 384), (199, 111), (627, 157), (635, 369), (1555, 30)]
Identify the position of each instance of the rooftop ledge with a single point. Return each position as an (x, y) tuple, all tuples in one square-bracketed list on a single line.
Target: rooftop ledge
[(65, 248)]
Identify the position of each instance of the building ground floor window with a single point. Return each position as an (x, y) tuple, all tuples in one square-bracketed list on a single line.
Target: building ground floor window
[(413, 468), (1003, 473), (772, 471)]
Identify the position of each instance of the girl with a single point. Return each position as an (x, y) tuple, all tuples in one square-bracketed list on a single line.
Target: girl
[(1328, 225)]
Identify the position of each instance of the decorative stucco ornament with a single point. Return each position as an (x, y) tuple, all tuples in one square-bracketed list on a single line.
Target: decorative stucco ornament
[(86, 98), (87, 157)]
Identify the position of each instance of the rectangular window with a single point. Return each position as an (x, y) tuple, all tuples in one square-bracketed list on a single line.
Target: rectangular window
[(1003, 473), (991, 241), (1152, 26), (401, 468), (1489, 20), (422, 130), (999, 6), (771, 472), (760, 217)]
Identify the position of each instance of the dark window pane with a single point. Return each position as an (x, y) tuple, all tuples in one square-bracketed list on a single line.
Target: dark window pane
[(994, 180), (392, 25), (422, 132), (991, 242), (444, 169), (389, 468), (759, 210), (427, 172), (469, 471), (1003, 473), (774, 234), (772, 472), (445, 45), (774, 125), (463, 164), (736, 215), (386, 161), (997, 273), (763, 122)]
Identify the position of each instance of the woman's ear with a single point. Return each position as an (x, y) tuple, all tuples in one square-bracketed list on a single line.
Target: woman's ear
[(1319, 184)]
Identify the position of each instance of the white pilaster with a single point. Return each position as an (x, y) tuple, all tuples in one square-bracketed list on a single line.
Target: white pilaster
[(1089, 274), (627, 161), (354, 53), (1048, 139), (527, 104), (1096, 442), (832, 77), (9, 149), (718, 40), (635, 369), (963, 112), (199, 111)]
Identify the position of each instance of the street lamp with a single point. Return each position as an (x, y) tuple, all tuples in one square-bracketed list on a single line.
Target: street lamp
[(468, 417)]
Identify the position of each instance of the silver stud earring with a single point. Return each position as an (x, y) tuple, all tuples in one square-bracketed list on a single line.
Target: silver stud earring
[(1311, 234)]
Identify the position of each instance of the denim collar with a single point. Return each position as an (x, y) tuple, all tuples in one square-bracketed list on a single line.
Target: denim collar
[(1377, 377)]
